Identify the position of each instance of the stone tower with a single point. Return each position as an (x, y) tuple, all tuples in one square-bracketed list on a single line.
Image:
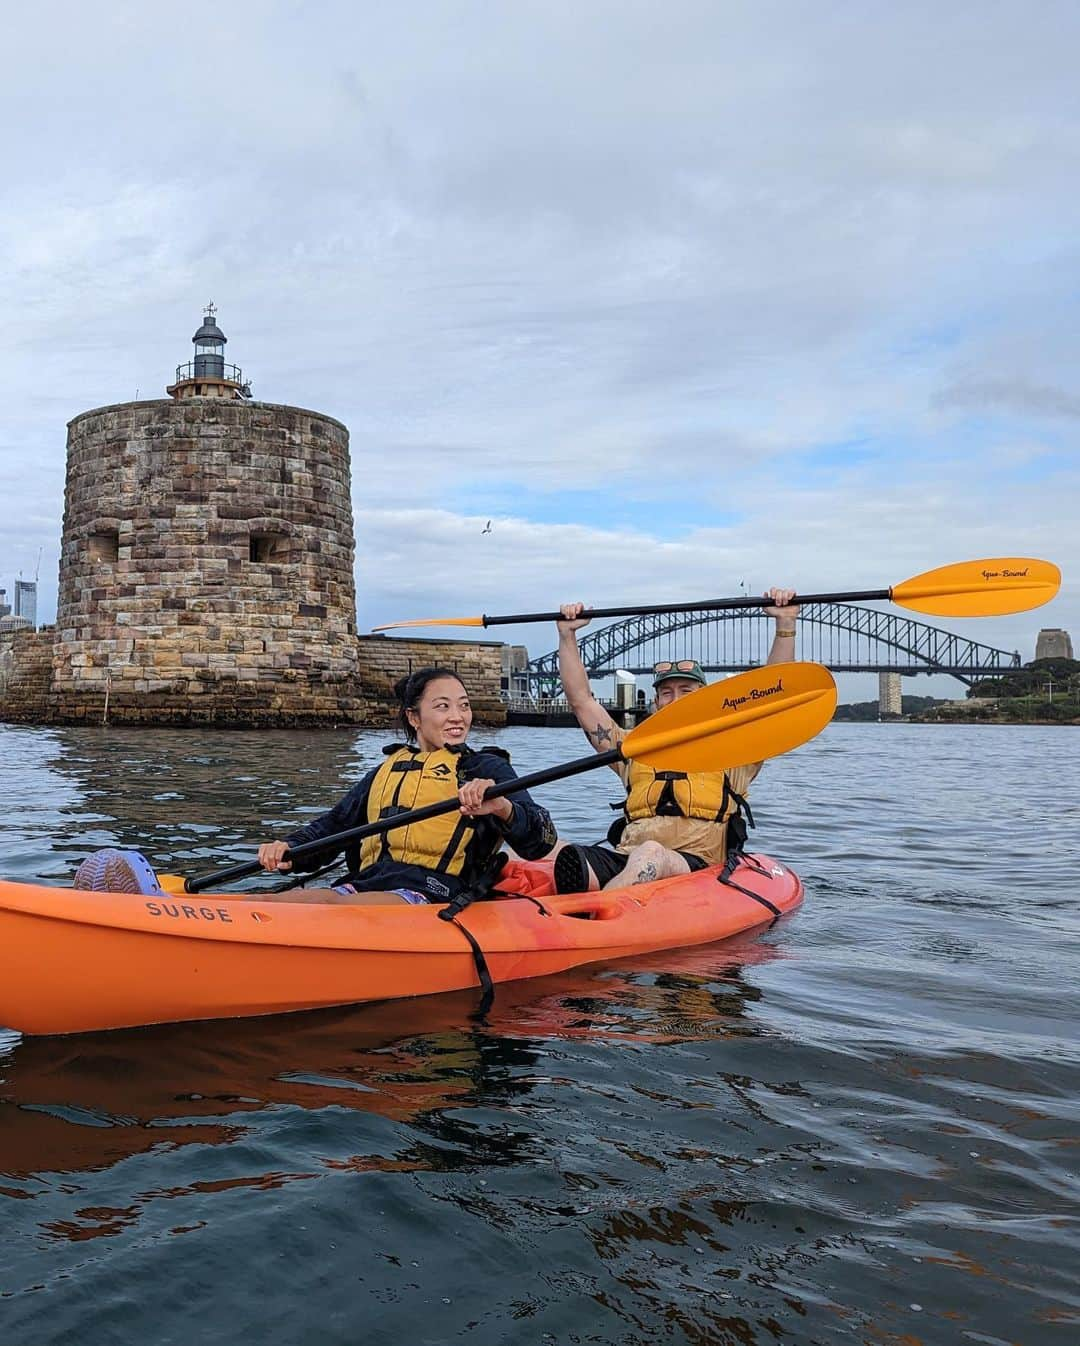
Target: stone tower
[(206, 571), (1053, 643)]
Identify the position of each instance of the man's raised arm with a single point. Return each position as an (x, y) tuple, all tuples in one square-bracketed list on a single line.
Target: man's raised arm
[(598, 725), (785, 614)]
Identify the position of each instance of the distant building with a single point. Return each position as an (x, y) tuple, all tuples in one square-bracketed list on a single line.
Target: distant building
[(5, 606), (1053, 643), (890, 698), (515, 671), (26, 600)]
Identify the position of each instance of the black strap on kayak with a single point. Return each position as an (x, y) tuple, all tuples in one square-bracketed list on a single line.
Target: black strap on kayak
[(725, 878), (730, 883), (487, 986), (528, 897), (752, 861), (480, 888)]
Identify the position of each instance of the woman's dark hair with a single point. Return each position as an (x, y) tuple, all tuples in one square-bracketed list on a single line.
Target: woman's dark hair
[(410, 692)]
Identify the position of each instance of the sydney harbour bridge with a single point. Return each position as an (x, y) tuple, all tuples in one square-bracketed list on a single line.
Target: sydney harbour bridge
[(845, 637)]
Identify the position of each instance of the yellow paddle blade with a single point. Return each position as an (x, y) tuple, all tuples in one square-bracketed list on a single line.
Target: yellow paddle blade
[(172, 883), (744, 719), (988, 588), (433, 621)]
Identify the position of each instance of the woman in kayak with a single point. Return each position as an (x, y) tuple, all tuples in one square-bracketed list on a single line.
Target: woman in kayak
[(430, 861)]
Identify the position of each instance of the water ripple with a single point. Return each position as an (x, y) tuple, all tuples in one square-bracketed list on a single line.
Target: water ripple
[(860, 1128)]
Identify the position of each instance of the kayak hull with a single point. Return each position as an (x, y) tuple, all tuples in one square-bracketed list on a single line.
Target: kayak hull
[(73, 961)]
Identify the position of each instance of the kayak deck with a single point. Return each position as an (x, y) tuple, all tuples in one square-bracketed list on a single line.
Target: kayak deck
[(74, 961)]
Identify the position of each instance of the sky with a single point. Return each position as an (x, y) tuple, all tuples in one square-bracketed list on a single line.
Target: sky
[(680, 296)]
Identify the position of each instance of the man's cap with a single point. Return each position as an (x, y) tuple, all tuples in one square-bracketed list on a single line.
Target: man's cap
[(677, 668)]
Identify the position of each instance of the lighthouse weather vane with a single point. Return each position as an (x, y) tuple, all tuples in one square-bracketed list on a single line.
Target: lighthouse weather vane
[(210, 309)]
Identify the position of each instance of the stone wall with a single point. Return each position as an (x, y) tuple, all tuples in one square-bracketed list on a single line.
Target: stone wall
[(385, 659), (26, 666), (206, 570), (225, 702), (28, 692)]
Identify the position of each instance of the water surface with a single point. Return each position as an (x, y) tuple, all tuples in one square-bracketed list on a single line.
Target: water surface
[(861, 1127)]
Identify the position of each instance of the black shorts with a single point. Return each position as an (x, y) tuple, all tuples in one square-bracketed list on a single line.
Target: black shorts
[(606, 863)]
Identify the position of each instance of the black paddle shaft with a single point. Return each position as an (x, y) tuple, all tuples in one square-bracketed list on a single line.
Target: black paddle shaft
[(709, 605), (249, 867)]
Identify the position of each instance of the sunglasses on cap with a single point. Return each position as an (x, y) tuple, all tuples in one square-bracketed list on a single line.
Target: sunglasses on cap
[(678, 668)]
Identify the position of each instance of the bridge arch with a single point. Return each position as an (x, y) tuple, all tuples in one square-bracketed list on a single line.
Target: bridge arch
[(843, 636)]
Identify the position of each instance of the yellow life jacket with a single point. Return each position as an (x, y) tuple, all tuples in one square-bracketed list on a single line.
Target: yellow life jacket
[(410, 779), (706, 795)]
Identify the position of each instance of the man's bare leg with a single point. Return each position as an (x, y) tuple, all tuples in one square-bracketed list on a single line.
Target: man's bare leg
[(646, 863)]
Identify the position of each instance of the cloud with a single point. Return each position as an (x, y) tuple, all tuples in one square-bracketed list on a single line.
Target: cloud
[(1019, 397), (744, 290), (416, 563)]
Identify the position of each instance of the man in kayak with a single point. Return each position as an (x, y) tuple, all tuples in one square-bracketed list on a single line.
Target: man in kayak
[(429, 861), (673, 822)]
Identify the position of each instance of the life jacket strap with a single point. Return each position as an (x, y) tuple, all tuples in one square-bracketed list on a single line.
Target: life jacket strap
[(463, 826), (742, 804), (667, 806), (393, 809)]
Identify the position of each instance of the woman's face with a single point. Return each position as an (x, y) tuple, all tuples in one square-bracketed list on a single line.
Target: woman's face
[(443, 717)]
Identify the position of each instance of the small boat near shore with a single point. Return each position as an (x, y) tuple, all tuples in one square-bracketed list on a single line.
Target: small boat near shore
[(74, 961)]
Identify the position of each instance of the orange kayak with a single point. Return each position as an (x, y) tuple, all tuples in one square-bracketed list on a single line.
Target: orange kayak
[(73, 961)]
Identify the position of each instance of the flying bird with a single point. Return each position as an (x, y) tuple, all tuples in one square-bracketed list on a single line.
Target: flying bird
[(486, 528)]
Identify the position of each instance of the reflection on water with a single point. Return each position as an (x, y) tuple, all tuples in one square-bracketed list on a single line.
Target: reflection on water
[(860, 1128), (182, 798), (83, 1102)]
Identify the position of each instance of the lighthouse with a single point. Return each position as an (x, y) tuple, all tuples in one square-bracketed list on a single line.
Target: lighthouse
[(208, 375)]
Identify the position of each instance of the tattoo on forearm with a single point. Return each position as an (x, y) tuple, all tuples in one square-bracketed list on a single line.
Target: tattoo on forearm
[(600, 735), (646, 873)]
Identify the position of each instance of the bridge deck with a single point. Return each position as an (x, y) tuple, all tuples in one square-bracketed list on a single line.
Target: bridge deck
[(843, 636)]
